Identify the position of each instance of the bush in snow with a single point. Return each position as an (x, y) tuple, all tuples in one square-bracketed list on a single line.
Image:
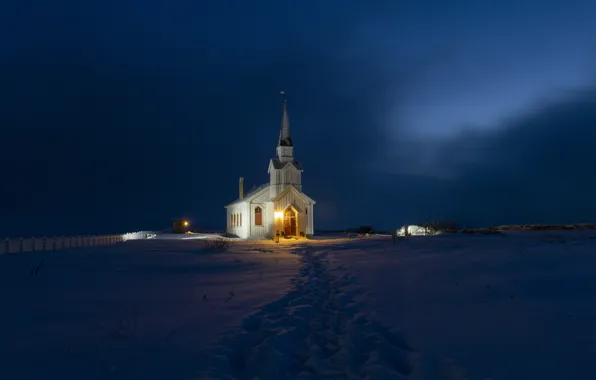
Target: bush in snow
[(219, 244), (365, 230), (440, 226)]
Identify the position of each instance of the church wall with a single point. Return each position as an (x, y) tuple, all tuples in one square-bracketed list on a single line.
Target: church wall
[(302, 222), (237, 229), (310, 229), (269, 220), (245, 228), (258, 232)]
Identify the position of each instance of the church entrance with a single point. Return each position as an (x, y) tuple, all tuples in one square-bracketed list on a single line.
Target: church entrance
[(290, 222)]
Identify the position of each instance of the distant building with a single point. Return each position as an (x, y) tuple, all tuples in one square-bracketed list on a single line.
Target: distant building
[(279, 206), (412, 230)]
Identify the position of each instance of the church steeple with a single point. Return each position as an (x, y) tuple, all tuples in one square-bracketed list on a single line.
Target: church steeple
[(285, 139), (284, 170), (285, 147)]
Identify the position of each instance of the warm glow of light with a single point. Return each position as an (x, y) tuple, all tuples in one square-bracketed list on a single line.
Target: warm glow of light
[(186, 223), (278, 214)]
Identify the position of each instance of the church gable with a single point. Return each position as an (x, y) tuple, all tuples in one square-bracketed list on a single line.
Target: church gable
[(306, 199), (292, 197), (277, 164), (260, 198)]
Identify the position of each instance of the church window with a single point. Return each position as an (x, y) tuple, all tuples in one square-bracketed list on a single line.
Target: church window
[(258, 217), (232, 220), (240, 224)]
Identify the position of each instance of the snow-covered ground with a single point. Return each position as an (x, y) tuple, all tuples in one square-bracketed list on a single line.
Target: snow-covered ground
[(511, 306), (130, 311)]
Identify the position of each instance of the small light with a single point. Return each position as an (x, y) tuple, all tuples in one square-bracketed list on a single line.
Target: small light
[(185, 223), (278, 214)]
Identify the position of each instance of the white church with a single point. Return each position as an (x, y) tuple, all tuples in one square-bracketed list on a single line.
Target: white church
[(279, 206)]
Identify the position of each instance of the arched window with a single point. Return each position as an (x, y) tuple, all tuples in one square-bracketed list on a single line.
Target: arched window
[(231, 220), (258, 217), (240, 223), (234, 222)]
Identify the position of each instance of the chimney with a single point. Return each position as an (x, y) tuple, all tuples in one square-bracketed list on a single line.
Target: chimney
[(241, 188)]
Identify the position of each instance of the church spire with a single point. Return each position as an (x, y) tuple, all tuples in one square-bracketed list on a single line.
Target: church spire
[(285, 139)]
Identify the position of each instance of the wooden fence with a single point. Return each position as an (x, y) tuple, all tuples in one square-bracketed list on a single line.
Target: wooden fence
[(65, 242)]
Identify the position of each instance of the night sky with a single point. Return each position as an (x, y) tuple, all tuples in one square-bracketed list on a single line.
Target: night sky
[(120, 115)]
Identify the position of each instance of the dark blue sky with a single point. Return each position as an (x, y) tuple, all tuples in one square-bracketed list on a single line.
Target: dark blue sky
[(120, 115)]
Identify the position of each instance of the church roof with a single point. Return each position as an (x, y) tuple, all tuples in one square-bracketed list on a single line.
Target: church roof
[(285, 139), (277, 164), (251, 194)]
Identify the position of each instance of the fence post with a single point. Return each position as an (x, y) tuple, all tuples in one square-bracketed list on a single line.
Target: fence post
[(7, 245), (43, 243), (54, 243), (33, 242)]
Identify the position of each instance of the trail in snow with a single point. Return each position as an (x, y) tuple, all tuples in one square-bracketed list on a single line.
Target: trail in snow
[(318, 330)]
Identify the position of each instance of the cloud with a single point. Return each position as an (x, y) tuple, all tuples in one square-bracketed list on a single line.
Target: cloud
[(535, 168)]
